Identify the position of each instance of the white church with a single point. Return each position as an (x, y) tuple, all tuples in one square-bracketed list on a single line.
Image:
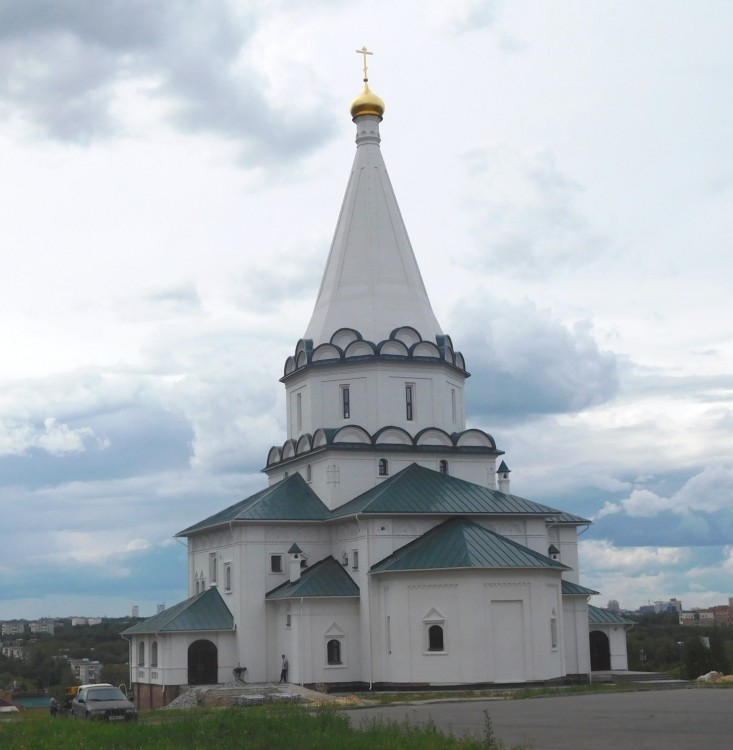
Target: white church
[(387, 548)]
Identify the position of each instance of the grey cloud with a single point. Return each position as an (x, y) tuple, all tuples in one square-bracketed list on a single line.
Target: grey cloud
[(175, 300), (525, 363), (62, 60), (524, 216)]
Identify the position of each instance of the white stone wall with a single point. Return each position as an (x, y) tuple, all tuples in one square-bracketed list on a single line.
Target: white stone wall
[(496, 626)]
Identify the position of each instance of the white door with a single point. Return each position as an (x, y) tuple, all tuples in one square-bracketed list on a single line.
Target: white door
[(507, 641)]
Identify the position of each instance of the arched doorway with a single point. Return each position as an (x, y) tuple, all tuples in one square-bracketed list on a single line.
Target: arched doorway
[(600, 651), (203, 667)]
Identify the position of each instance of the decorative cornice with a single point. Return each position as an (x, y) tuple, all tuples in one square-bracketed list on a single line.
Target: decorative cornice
[(347, 346), (389, 439)]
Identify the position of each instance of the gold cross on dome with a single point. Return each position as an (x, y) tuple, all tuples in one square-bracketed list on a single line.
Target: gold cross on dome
[(364, 51)]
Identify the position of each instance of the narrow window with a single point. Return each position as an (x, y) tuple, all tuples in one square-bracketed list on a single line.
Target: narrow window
[(154, 654), (435, 638), (299, 412), (288, 621), (308, 473), (333, 651), (228, 577), (453, 403), (212, 567), (276, 563), (443, 467), (553, 629), (389, 634), (141, 654), (409, 393), (383, 467), (355, 559), (345, 402)]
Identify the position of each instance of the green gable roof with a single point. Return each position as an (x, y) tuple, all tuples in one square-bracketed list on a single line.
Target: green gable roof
[(204, 611), (575, 589), (460, 543), (598, 616), (324, 579), (424, 491), (291, 499)]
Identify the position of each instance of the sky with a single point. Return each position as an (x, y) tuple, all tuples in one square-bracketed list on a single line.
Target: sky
[(170, 178)]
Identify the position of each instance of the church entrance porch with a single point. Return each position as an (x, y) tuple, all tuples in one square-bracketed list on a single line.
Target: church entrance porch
[(203, 666)]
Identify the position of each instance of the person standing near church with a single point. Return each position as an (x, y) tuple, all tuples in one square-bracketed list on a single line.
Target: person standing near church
[(284, 670)]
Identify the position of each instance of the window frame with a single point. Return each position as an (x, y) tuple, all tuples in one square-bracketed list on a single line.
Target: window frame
[(383, 467), (279, 557), (410, 402), (338, 652), (345, 401)]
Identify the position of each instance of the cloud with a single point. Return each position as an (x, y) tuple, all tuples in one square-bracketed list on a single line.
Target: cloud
[(524, 216), (67, 63), (526, 363), (461, 16), (708, 492), (18, 439)]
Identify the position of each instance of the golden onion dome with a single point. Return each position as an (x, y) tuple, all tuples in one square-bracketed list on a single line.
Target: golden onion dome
[(367, 103)]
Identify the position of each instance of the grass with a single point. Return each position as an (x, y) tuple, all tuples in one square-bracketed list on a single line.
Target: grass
[(276, 728)]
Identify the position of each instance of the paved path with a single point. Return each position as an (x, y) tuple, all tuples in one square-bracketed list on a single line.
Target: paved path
[(669, 719)]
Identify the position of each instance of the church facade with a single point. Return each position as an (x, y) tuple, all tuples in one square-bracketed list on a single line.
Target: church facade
[(387, 548)]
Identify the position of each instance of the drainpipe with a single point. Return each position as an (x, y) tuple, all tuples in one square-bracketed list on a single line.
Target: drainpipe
[(301, 641)]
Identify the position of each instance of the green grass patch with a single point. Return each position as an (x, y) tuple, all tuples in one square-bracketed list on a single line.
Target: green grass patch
[(277, 728)]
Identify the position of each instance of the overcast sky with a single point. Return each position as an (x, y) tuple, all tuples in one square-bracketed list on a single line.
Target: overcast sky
[(170, 178)]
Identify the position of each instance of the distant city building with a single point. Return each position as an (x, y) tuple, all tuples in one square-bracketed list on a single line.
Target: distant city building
[(161, 608), (43, 626), (86, 670), (613, 605), (718, 615), (136, 611), (673, 606), (14, 651), (77, 621), (14, 627)]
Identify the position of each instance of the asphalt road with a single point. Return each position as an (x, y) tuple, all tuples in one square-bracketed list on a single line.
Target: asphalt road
[(683, 719)]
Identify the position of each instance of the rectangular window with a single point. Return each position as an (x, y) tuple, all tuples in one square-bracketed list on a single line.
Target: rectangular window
[(288, 621), (227, 577), (453, 404), (389, 634), (355, 559), (212, 567), (276, 563), (345, 402), (299, 411), (409, 394)]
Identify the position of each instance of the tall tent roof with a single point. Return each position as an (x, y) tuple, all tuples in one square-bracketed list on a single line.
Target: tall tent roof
[(372, 282)]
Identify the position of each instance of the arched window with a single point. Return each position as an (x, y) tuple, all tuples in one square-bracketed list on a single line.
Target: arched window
[(141, 654), (154, 654), (443, 467), (333, 651), (308, 473), (435, 638), (228, 577), (383, 467)]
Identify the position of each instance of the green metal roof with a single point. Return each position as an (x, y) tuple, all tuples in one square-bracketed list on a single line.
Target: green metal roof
[(575, 589), (324, 579), (598, 616), (291, 499), (460, 543), (424, 491), (204, 611)]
